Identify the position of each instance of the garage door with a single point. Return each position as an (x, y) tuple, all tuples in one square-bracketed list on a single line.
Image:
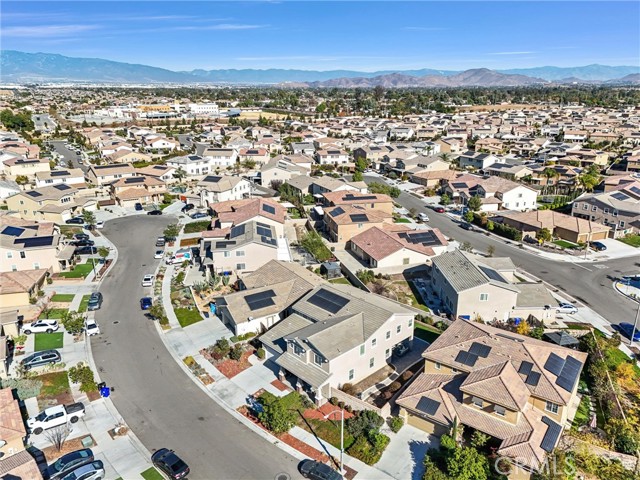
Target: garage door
[(427, 426)]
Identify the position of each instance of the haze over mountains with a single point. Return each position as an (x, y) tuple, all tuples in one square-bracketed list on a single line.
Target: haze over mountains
[(21, 67)]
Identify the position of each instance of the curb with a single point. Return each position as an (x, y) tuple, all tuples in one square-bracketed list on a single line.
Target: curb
[(616, 285)]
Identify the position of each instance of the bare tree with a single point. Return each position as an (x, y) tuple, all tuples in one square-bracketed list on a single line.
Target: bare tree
[(58, 435)]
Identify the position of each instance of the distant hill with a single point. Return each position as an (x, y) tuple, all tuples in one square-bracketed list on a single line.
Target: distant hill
[(633, 78), (20, 67)]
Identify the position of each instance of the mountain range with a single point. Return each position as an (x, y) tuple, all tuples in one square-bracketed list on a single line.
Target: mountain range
[(21, 67)]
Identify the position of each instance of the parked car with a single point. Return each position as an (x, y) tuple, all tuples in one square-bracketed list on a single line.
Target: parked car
[(468, 226), (146, 303), (55, 416), (400, 350), (318, 471), (438, 209), (89, 471), (169, 463), (138, 207), (627, 328), (66, 463), (95, 301), (39, 359), (158, 254), (188, 207), (75, 221), (100, 225), (147, 280), (598, 246), (81, 236), (423, 217), (83, 243), (566, 308), (86, 251), (41, 326), (155, 212), (199, 215), (160, 242), (91, 328)]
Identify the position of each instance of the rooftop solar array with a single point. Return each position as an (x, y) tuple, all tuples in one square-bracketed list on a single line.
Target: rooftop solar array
[(33, 194), (351, 196), (620, 196), (328, 301), (359, 217), (569, 374), (268, 209), (35, 241), (424, 237), (62, 187), (428, 405), (467, 358), (212, 179), (492, 274), (236, 231), (59, 173), (336, 211), (134, 180), (533, 379), (12, 231), (525, 368), (554, 364), (256, 301), (635, 190), (551, 436), (480, 349)]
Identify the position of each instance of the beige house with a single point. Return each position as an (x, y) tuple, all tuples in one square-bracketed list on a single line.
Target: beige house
[(516, 389), (25, 166), (566, 227), (337, 334), (12, 430), (128, 156), (161, 172), (56, 203), (16, 288), (366, 201), (236, 212), (214, 189), (74, 176), (282, 168), (258, 155), (344, 223), (140, 189), (105, 174)]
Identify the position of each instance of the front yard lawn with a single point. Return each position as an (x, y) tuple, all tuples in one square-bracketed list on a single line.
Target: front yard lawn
[(565, 244), (55, 389), (151, 474), (56, 313), (426, 332), (187, 317), (48, 341), (328, 431), (195, 227), (79, 271), (63, 297), (84, 303), (341, 280), (633, 240), (402, 220)]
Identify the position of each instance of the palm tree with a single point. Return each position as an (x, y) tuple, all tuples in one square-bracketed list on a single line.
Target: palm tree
[(444, 156), (549, 173), (180, 174)]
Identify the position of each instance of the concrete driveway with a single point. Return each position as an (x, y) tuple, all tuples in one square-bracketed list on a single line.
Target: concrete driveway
[(159, 402), (403, 457)]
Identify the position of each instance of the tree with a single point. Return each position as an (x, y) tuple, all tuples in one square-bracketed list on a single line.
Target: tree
[(16, 121), (73, 322), (58, 435), (361, 164), (171, 232), (543, 235), (82, 374), (364, 423), (479, 439), (445, 157), (103, 252), (157, 311), (445, 199), (474, 203), (22, 179), (276, 185), (466, 463), (88, 217), (249, 164), (357, 176), (365, 276), (378, 93), (468, 216), (276, 417), (180, 174), (491, 250)]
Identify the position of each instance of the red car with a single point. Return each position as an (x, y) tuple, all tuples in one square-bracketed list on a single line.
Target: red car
[(439, 209)]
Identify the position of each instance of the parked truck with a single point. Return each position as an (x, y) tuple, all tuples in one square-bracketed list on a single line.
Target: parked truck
[(55, 416), (182, 255)]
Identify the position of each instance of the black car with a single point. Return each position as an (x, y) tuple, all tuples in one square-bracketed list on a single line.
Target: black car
[(138, 207), (198, 215), (81, 236), (86, 251), (169, 463), (187, 207), (39, 359), (83, 243), (598, 246), (318, 471), (155, 212), (75, 221), (95, 301), (69, 462), (468, 226)]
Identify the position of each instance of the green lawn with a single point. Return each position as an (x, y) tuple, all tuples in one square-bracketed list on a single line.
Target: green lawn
[(329, 431), (425, 332), (151, 474), (565, 244), (53, 384), (195, 227), (84, 303), (402, 220), (81, 270), (56, 313), (63, 297), (633, 240), (341, 280), (187, 317), (47, 341), (582, 414)]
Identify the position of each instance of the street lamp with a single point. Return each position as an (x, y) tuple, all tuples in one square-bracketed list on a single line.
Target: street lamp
[(635, 326), (342, 471)]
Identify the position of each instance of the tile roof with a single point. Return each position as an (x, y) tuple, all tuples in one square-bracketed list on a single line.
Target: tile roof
[(21, 281), (498, 383), (11, 423), (379, 243), (20, 466), (240, 211)]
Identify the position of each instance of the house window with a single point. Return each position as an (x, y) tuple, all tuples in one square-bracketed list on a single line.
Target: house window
[(615, 213), (594, 208), (387, 353), (551, 407), (360, 225), (23, 255), (10, 255), (240, 266), (297, 349), (351, 374), (405, 261), (575, 205), (484, 297), (498, 410), (438, 366), (621, 224), (606, 210), (388, 334), (240, 253), (36, 266), (585, 207), (371, 362), (398, 328), (226, 254), (362, 349), (410, 322), (14, 268), (374, 341), (317, 359), (477, 402)]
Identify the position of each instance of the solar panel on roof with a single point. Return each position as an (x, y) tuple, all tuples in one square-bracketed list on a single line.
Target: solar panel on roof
[(467, 358), (533, 378), (554, 364), (328, 301), (59, 173), (134, 180), (268, 209), (359, 217), (236, 231), (480, 349), (620, 196), (12, 231), (525, 368), (492, 274), (259, 300), (62, 187), (551, 436), (336, 211), (569, 374), (635, 190), (33, 194), (212, 179), (35, 241), (428, 405)]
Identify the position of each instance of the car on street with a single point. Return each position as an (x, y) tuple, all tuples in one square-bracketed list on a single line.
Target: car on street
[(146, 303), (199, 215), (138, 207), (41, 326), (155, 212), (423, 217), (147, 280), (40, 359), (627, 328), (91, 328), (169, 463), (160, 242), (75, 221), (566, 307), (188, 207), (318, 471), (86, 250), (468, 226), (438, 209), (95, 301), (158, 254), (598, 246), (69, 462), (100, 225), (89, 471)]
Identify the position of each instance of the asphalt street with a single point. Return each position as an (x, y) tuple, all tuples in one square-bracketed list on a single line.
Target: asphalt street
[(43, 122), (159, 402), (70, 158), (589, 283)]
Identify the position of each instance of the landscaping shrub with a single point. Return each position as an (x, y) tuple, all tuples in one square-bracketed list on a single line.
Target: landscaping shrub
[(83, 375), (260, 353), (348, 388), (395, 386), (73, 322), (333, 400), (275, 415), (312, 242), (234, 339), (395, 424), (195, 227), (25, 387), (236, 352), (406, 375), (365, 422), (367, 451)]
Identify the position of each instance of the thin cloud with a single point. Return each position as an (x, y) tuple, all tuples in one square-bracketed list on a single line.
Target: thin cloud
[(46, 31), (510, 53)]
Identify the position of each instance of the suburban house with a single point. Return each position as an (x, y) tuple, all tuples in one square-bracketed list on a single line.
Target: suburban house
[(343, 223), (128, 156), (517, 389), (509, 171), (192, 165), (474, 287), (17, 288), (74, 177), (214, 189), (618, 209), (56, 203), (332, 155), (265, 296), (433, 179), (337, 334), (509, 195), (282, 168), (140, 189), (156, 142), (325, 184), (159, 172), (397, 246), (236, 212), (27, 167), (258, 155), (8, 188), (220, 157), (560, 225), (105, 174), (367, 201), (477, 160), (304, 148)]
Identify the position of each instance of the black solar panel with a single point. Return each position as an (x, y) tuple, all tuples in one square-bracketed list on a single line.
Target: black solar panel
[(480, 349), (533, 378), (467, 358), (336, 211), (236, 231), (62, 187), (134, 180), (328, 301), (212, 179), (359, 217), (351, 196), (554, 364), (268, 209), (492, 274), (268, 240), (551, 436), (525, 368), (60, 173), (260, 300), (569, 374), (428, 406), (426, 238), (33, 194), (635, 190), (224, 244), (13, 231), (35, 241)]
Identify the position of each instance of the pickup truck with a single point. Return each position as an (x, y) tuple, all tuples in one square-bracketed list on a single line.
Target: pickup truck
[(55, 416)]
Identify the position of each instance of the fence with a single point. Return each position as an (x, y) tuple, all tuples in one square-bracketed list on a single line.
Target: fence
[(358, 404)]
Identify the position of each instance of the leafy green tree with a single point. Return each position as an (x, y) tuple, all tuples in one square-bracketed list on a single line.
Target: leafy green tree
[(22, 179), (468, 216), (16, 121), (365, 276), (479, 439), (474, 203), (466, 463), (171, 232), (103, 252), (180, 174), (276, 417), (73, 322), (361, 164), (543, 234), (88, 217), (357, 176), (445, 199), (366, 422)]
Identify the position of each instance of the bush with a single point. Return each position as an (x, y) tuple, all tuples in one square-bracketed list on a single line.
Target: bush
[(73, 322), (236, 352), (366, 422), (395, 424), (406, 375), (25, 387), (369, 450), (276, 417), (395, 386), (333, 401), (348, 388), (260, 353)]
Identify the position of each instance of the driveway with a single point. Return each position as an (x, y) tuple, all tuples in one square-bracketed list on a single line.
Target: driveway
[(159, 402), (403, 457)]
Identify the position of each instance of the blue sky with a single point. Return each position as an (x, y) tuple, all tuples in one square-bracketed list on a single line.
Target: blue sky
[(329, 35)]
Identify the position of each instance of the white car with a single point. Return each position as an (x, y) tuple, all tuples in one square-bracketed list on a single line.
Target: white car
[(91, 327), (159, 254), (147, 281), (100, 224), (41, 326), (423, 217), (566, 308)]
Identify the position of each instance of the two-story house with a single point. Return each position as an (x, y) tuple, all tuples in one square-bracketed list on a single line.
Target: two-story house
[(283, 168), (139, 189), (368, 201), (509, 195), (258, 155), (192, 165), (477, 160), (27, 167), (220, 158), (236, 212), (106, 174), (516, 389), (56, 203), (332, 156), (214, 189), (345, 222), (74, 177)]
